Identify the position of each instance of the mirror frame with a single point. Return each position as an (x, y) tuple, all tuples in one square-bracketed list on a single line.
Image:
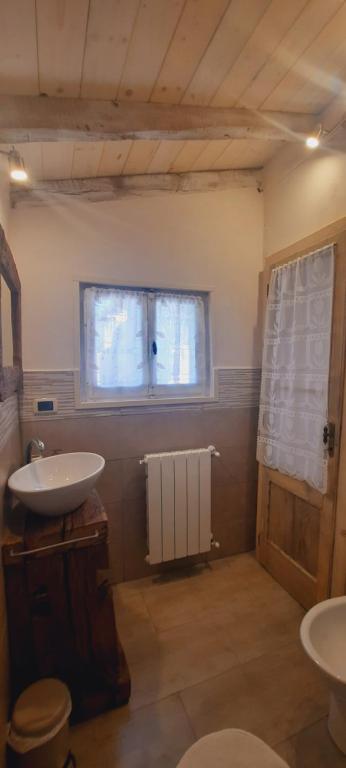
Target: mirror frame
[(11, 377)]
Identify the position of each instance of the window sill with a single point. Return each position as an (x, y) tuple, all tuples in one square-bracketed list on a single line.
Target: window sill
[(148, 402)]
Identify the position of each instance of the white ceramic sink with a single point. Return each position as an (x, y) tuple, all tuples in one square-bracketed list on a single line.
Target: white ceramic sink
[(58, 484)]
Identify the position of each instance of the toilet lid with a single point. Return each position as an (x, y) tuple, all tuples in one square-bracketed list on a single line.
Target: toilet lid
[(41, 708), (231, 748)]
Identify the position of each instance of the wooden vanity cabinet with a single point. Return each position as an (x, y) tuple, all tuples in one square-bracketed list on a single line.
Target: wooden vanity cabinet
[(60, 609)]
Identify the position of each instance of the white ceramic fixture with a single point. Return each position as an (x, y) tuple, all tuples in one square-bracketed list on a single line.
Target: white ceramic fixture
[(323, 635), (58, 484), (231, 748)]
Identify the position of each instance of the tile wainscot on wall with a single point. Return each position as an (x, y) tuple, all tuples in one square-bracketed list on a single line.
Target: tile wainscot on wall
[(123, 436)]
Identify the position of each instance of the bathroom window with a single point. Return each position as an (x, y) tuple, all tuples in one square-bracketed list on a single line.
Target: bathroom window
[(143, 343)]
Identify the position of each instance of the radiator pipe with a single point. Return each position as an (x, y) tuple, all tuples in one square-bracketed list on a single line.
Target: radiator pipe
[(211, 449)]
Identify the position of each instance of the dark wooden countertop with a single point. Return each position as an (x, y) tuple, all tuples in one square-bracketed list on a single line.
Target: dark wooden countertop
[(25, 531)]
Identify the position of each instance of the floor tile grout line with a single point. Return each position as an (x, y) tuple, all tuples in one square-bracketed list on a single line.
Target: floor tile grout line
[(199, 618), (238, 663), (181, 691), (191, 579), (150, 618), (188, 717), (297, 733)]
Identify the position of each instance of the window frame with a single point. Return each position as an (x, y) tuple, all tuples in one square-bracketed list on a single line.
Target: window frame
[(81, 401)]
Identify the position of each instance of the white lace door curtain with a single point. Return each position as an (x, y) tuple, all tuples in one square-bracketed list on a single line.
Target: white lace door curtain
[(295, 368)]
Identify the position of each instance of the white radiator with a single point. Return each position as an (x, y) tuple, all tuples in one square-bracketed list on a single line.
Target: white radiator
[(178, 503)]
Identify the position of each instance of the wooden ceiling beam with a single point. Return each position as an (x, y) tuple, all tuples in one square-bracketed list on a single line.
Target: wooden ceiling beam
[(42, 118), (117, 187)]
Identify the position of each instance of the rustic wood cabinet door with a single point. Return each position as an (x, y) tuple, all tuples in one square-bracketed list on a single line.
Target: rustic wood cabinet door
[(295, 523), (60, 609), (97, 676)]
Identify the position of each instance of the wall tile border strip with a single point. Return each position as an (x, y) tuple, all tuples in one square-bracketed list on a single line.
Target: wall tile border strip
[(238, 387), (234, 388)]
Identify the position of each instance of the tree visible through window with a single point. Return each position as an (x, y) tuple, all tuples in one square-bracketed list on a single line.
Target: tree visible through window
[(143, 343)]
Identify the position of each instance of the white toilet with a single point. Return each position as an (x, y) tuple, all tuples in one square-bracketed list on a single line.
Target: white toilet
[(323, 635), (231, 748)]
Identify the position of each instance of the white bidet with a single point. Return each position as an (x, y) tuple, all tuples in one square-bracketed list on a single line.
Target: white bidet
[(323, 635)]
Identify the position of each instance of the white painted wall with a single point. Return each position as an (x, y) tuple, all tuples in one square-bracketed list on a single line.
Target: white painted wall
[(303, 192), (202, 241)]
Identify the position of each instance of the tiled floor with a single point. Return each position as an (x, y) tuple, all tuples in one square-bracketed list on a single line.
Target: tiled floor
[(213, 648)]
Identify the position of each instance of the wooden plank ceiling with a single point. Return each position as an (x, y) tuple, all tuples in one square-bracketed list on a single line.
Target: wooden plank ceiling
[(259, 54)]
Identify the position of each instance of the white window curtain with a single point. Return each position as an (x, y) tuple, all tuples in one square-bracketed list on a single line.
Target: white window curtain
[(295, 369), (179, 329), (139, 344), (116, 343)]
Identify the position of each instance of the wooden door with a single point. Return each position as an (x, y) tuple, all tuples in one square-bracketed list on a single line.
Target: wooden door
[(295, 523)]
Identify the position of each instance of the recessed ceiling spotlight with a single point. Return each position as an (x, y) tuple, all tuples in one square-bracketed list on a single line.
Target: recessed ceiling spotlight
[(16, 165), (313, 140)]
